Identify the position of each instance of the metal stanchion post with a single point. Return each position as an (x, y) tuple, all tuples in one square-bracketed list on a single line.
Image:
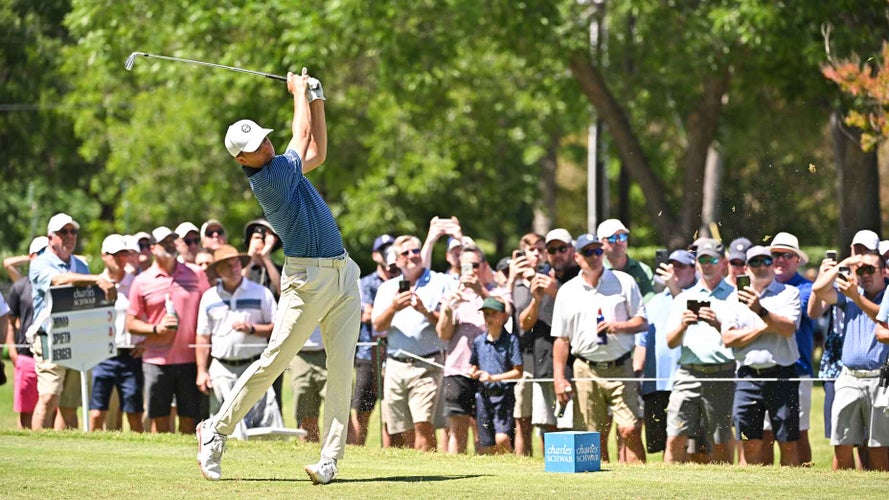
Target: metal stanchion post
[(379, 373)]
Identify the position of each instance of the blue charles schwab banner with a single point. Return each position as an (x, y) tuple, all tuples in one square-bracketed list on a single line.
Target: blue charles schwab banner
[(80, 332)]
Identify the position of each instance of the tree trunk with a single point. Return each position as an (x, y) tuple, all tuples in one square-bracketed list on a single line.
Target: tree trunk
[(859, 183), (712, 190), (545, 205)]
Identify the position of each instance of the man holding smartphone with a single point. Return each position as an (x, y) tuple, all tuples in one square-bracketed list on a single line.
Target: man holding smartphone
[(407, 310), (699, 407)]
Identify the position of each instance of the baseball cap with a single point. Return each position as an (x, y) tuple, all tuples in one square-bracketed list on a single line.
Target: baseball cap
[(758, 251), (737, 250), (391, 256), (114, 243), (586, 239), (185, 228), (161, 233), (60, 220), (711, 247), (787, 241), (211, 223), (244, 135), (609, 227), (38, 244), (883, 247), (503, 264), (559, 234), (132, 242), (493, 304), (466, 241), (682, 257), (867, 238), (382, 242)]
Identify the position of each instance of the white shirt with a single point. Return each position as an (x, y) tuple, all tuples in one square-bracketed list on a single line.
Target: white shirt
[(123, 338), (251, 303), (577, 306)]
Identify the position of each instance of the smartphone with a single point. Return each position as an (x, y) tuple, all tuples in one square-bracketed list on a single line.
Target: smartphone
[(404, 286), (703, 303), (830, 254), (518, 253), (466, 269), (693, 306), (743, 281), (845, 273), (660, 257)]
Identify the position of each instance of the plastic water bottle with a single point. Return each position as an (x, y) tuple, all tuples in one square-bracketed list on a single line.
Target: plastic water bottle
[(171, 310), (603, 336)]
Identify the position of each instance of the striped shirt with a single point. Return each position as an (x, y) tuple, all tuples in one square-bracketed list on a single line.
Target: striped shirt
[(250, 303), (295, 209)]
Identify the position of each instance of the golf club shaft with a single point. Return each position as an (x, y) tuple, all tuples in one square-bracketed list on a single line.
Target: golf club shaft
[(427, 361), (132, 59)]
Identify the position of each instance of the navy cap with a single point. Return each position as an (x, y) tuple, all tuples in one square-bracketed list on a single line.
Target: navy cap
[(737, 250), (383, 241), (585, 240), (682, 257)]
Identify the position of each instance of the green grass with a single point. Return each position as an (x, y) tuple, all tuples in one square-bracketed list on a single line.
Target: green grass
[(118, 465)]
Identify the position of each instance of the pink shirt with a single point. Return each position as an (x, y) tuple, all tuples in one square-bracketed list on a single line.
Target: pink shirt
[(469, 323), (147, 296)]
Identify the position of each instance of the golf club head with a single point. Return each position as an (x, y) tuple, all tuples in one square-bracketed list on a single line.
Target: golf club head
[(132, 60)]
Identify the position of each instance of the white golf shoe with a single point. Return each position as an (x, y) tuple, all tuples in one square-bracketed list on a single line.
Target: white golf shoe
[(211, 444), (322, 472)]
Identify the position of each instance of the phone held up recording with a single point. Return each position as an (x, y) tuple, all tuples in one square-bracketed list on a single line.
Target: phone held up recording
[(404, 286), (743, 281)]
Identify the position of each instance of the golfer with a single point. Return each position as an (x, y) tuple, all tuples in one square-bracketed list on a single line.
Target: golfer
[(319, 283)]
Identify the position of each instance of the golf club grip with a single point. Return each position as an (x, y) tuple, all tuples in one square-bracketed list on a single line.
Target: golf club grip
[(276, 77)]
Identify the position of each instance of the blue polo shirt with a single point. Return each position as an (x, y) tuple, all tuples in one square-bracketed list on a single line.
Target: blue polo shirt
[(497, 356), (861, 351), (42, 270), (805, 334), (295, 209)]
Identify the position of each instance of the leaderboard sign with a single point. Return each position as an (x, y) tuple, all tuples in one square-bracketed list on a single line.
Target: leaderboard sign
[(80, 331)]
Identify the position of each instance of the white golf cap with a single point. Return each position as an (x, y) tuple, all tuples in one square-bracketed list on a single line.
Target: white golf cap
[(559, 234), (132, 241), (610, 227), (60, 220), (185, 228), (867, 238), (114, 243), (160, 233), (883, 247), (244, 135), (37, 244)]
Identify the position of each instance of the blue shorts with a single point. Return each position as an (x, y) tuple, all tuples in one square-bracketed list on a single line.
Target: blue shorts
[(124, 372), (493, 415), (780, 398)]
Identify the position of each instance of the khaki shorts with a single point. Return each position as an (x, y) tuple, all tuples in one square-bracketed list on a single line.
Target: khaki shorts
[(594, 399), (308, 379), (523, 398), (56, 379), (410, 394)]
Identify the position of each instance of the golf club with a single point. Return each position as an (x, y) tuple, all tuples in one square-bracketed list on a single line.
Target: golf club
[(132, 60)]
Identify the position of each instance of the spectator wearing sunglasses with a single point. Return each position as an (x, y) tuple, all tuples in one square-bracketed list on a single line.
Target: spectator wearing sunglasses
[(407, 309), (58, 387), (213, 235), (787, 258), (699, 408), (262, 241), (188, 243), (615, 236), (855, 419), (737, 259), (759, 327), (595, 317)]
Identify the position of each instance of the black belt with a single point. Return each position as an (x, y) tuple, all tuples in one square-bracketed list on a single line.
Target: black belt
[(124, 351), (411, 359), (608, 364), (709, 368), (765, 372), (238, 362)]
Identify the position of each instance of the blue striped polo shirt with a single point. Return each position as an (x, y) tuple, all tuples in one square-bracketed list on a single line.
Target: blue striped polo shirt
[(295, 209)]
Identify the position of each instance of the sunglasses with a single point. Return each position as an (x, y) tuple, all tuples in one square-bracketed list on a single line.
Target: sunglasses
[(66, 232), (555, 250), (589, 252), (783, 255), (191, 241), (865, 269), (476, 265), (214, 232), (708, 259), (415, 251), (622, 237), (760, 262), (737, 263)]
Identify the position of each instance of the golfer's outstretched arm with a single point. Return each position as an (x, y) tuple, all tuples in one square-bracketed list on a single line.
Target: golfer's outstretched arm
[(317, 150), (309, 124)]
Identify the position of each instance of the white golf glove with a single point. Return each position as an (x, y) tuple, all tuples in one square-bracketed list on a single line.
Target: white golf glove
[(314, 90)]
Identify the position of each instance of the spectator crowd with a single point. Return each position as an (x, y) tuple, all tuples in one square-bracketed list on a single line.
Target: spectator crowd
[(711, 352)]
